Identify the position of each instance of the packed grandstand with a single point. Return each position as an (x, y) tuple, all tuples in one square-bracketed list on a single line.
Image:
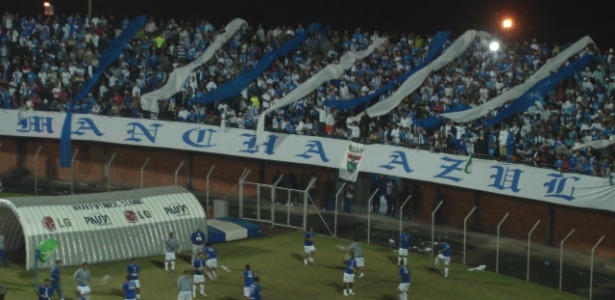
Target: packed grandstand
[(45, 62)]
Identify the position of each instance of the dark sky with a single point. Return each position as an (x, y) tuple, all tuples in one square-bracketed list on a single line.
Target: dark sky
[(558, 21)]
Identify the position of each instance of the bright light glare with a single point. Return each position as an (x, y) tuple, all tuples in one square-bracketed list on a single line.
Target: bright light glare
[(46, 4), (494, 46), (507, 23)]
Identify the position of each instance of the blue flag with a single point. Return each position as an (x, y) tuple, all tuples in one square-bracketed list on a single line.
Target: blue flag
[(542, 87), (437, 44), (234, 87), (106, 59)]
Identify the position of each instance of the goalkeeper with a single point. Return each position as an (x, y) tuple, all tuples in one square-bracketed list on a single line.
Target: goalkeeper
[(358, 255)]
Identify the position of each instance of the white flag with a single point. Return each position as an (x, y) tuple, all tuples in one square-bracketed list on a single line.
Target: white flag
[(351, 162)]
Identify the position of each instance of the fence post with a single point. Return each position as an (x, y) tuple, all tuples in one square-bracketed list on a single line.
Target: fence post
[(561, 257), (465, 233), (36, 169), (207, 188), (109, 171), (369, 214), (497, 244), (72, 172), (274, 188), (591, 270), (336, 209), (241, 179), (177, 170), (433, 227), (529, 244), (306, 196), (401, 212), (143, 168)]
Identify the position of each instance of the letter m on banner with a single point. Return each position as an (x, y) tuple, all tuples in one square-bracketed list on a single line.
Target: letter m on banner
[(351, 162)]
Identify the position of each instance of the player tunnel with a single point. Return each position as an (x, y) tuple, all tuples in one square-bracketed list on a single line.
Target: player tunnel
[(99, 227)]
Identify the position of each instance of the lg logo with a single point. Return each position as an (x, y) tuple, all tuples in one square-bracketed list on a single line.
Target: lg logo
[(134, 216), (52, 224)]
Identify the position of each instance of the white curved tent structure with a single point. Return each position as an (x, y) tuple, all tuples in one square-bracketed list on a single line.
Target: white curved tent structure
[(101, 227)]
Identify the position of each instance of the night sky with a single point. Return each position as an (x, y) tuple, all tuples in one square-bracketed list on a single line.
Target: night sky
[(551, 21)]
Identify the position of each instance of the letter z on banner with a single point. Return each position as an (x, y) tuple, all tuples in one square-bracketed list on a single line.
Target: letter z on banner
[(351, 163)]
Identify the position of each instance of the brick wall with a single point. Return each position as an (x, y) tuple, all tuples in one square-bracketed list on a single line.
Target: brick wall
[(126, 167)]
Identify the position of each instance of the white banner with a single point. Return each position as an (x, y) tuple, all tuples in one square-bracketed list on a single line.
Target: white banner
[(178, 77), (487, 175), (331, 71), (416, 80), (351, 162), (515, 92)]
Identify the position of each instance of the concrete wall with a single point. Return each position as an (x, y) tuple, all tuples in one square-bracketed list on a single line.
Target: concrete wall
[(17, 157)]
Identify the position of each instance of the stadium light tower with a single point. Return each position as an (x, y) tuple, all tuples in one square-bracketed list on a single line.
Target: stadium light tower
[(507, 23), (48, 8), (494, 46)]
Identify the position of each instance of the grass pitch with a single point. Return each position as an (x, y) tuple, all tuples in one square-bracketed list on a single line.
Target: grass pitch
[(278, 259)]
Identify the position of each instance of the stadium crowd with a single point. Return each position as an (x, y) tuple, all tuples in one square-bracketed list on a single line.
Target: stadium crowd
[(44, 62)]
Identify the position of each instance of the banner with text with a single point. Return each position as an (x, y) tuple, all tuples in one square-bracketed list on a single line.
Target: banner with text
[(487, 175)]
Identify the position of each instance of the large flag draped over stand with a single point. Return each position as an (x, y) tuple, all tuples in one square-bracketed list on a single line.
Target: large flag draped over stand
[(178, 77), (515, 92), (437, 43), (599, 144), (351, 162), (411, 84), (331, 71), (106, 59), (529, 98), (233, 88)]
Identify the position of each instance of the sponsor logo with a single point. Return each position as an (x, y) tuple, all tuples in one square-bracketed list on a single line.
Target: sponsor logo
[(177, 209), (134, 216), (131, 216), (49, 223), (98, 220)]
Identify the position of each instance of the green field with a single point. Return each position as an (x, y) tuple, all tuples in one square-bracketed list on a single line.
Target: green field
[(277, 259)]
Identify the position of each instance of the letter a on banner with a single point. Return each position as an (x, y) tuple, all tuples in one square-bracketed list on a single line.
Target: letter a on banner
[(351, 162)]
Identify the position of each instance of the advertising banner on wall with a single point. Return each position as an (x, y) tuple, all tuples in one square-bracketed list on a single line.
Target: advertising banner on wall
[(487, 175)]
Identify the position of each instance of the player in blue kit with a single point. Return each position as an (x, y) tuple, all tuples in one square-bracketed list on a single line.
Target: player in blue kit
[(255, 290), (404, 284), (45, 291), (248, 280), (55, 279), (308, 246), (130, 289), (404, 244), (199, 275), (133, 273), (351, 265), (444, 255), (198, 239), (212, 262)]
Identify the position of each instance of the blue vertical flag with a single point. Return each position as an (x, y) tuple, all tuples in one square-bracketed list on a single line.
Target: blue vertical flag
[(108, 56)]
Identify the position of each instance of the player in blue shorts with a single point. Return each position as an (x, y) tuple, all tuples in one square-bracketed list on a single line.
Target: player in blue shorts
[(199, 275), (255, 290), (55, 279), (248, 280), (308, 246), (133, 273), (130, 289), (444, 255)]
